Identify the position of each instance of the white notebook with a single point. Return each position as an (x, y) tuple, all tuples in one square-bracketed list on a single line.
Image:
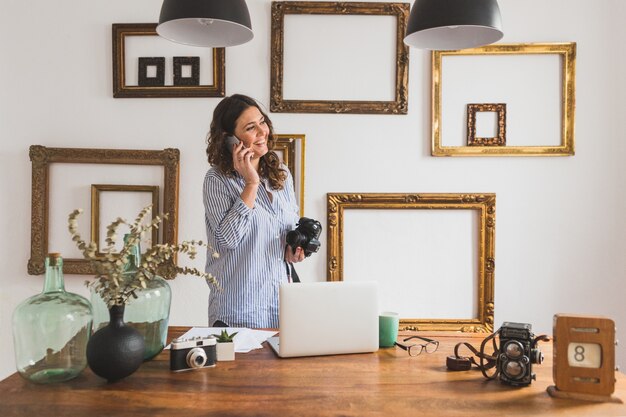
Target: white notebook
[(327, 318)]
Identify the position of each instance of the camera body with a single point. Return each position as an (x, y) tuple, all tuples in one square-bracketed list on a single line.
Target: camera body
[(306, 236), (194, 353), (517, 353)]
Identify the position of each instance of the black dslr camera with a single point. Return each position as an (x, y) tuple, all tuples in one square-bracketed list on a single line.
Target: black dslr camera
[(194, 353), (518, 351), (305, 236)]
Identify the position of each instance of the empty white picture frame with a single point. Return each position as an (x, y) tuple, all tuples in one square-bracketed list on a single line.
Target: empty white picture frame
[(535, 80), (411, 265), (339, 78)]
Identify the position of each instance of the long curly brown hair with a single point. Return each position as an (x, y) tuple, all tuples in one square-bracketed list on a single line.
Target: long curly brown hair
[(225, 116)]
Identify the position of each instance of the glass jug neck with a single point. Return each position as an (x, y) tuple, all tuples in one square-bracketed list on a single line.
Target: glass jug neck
[(134, 257), (54, 274)]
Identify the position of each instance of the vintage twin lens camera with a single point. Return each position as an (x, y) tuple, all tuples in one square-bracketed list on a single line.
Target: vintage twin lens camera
[(194, 353), (518, 351)]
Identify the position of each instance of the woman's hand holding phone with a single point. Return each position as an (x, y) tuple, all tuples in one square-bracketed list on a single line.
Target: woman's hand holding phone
[(242, 161)]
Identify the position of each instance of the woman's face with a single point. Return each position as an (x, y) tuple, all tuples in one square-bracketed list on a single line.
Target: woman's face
[(252, 129)]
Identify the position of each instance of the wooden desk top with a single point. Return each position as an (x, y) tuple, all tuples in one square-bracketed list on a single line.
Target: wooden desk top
[(388, 382)]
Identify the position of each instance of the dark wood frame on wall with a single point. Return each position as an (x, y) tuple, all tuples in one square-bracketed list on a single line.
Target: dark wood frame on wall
[(282, 8), (500, 110), (484, 204), (121, 90), (42, 157)]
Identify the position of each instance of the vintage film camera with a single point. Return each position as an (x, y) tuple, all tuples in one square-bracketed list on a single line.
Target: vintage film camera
[(194, 353), (518, 351), (306, 236)]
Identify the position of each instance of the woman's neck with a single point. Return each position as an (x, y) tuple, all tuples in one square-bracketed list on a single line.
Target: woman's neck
[(256, 163)]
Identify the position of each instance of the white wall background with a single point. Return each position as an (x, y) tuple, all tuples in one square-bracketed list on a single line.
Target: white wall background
[(560, 221)]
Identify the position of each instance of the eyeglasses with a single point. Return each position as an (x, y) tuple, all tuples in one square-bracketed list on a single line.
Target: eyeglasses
[(430, 346)]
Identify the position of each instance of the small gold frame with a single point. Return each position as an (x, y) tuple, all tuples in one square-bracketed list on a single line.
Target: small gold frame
[(282, 8), (287, 145), (41, 158), (121, 90), (472, 109), (96, 189), (485, 204), (568, 72)]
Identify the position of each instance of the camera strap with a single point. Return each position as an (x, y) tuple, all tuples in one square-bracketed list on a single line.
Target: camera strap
[(484, 362), (291, 272)]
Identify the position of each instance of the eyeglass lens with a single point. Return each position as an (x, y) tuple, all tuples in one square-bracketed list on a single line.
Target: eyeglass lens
[(430, 347)]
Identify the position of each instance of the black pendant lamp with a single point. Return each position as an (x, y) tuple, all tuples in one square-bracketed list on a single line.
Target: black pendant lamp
[(210, 23), (453, 24)]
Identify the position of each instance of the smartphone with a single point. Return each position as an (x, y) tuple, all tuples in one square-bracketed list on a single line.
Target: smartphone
[(231, 141)]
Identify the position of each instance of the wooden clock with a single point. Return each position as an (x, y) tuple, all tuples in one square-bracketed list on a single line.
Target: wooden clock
[(583, 358)]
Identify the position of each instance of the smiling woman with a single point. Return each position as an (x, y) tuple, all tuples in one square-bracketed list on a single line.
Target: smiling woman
[(250, 206)]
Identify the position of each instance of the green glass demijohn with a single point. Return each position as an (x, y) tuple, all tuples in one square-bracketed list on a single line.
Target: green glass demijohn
[(148, 313), (51, 330)]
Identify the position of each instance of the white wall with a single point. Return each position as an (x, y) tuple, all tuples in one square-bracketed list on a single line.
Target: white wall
[(560, 221)]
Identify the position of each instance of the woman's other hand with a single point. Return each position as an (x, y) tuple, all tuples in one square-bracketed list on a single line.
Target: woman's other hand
[(292, 257)]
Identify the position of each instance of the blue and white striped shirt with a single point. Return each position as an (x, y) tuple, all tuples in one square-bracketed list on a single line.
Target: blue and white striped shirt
[(251, 244)]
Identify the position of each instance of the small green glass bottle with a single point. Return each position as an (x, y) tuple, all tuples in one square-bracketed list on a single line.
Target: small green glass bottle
[(149, 313), (51, 330)]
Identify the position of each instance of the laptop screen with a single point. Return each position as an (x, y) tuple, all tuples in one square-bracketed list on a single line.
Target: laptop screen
[(324, 318)]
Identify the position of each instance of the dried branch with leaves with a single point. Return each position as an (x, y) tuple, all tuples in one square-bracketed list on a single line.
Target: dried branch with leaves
[(112, 282)]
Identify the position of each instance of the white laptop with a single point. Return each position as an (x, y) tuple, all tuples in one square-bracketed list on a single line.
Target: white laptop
[(327, 318)]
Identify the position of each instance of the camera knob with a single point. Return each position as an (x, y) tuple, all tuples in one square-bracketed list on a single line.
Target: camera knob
[(536, 356)]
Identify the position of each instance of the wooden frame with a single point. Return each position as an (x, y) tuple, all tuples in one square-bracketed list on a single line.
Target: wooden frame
[(287, 144), (566, 148), (159, 79), (41, 158), (500, 139), (280, 105), (483, 203), (194, 63), (121, 90), (96, 189)]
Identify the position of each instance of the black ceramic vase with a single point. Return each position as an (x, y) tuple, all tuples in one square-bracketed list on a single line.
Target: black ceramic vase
[(115, 351)]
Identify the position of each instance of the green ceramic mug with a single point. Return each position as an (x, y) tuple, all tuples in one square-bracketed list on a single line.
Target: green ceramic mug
[(387, 328)]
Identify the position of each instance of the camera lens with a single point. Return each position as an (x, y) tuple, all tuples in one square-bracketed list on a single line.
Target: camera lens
[(514, 369), (196, 358), (514, 349)]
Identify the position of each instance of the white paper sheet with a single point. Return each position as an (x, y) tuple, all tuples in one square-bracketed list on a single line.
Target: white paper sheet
[(245, 340)]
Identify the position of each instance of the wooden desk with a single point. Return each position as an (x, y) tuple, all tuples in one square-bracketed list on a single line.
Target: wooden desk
[(258, 383)]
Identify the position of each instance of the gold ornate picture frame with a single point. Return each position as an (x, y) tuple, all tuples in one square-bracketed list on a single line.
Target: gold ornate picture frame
[(121, 31), (566, 52), (97, 189), (483, 204), (500, 138), (279, 104), (292, 149), (43, 157)]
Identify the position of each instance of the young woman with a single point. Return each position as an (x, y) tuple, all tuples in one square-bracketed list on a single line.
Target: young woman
[(250, 206)]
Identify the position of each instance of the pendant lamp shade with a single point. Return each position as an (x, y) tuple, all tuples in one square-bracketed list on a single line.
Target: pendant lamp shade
[(453, 24), (209, 23)]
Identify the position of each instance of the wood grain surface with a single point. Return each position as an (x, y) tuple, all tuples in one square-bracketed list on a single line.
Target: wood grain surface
[(258, 383)]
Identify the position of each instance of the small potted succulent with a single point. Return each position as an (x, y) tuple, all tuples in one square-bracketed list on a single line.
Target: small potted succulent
[(225, 346)]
